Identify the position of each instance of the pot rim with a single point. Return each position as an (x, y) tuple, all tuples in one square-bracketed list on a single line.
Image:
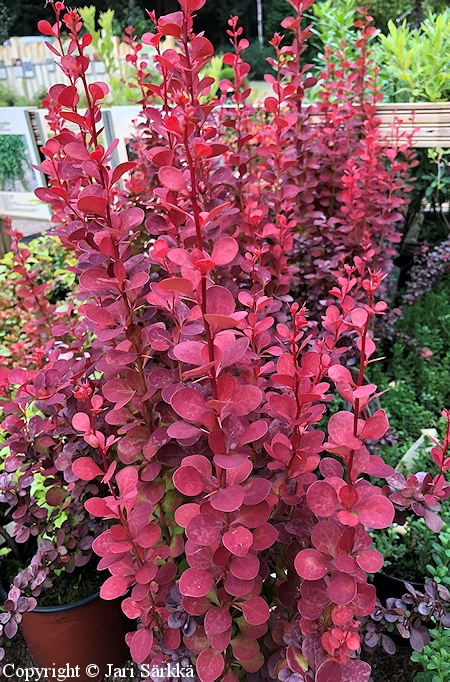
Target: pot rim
[(65, 607), (50, 609), (59, 607)]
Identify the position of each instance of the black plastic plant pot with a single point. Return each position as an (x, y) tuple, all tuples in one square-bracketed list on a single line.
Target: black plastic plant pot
[(388, 586)]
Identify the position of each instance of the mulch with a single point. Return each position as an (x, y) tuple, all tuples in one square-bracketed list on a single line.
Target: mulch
[(393, 668)]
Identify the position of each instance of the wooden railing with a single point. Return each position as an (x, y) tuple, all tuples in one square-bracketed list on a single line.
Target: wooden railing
[(431, 118)]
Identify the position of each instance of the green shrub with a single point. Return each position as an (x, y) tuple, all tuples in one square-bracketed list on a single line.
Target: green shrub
[(435, 657), (414, 552), (51, 261), (417, 60), (417, 366), (406, 551)]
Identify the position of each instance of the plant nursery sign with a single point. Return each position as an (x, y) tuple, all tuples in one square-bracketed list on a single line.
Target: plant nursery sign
[(45, 132), (18, 179), (28, 68)]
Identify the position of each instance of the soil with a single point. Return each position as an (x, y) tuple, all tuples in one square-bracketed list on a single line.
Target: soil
[(71, 587), (393, 668), (67, 588)]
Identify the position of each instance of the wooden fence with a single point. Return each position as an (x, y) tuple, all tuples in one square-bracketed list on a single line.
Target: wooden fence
[(27, 68)]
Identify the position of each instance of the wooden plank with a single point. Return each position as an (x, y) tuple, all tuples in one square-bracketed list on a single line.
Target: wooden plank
[(430, 122), (432, 119)]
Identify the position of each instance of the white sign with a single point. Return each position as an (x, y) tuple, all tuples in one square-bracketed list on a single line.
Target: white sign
[(28, 68), (18, 179)]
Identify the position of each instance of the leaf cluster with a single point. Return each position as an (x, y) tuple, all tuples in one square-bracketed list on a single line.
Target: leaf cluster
[(417, 60), (434, 657)]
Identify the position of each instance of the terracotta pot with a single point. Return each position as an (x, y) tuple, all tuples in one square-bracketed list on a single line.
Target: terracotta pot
[(87, 632), (387, 586)]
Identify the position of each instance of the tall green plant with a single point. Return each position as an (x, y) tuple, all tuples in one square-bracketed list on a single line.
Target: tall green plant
[(102, 40), (334, 27), (334, 24), (103, 46), (417, 60)]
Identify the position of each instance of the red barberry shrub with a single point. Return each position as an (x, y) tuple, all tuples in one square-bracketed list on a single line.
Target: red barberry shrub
[(317, 180), (186, 414)]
